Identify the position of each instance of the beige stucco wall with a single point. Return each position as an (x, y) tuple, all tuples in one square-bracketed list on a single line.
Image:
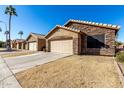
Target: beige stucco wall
[(31, 38), (40, 43), (64, 33)]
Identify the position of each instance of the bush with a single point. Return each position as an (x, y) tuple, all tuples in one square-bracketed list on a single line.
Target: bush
[(2, 44), (120, 56)]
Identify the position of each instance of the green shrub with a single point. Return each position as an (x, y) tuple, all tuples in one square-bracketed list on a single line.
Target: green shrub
[(120, 56)]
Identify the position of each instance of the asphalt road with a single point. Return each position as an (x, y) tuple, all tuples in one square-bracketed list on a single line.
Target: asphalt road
[(21, 63)]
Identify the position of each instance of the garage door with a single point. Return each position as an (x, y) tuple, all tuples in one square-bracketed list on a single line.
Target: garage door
[(33, 46), (62, 46)]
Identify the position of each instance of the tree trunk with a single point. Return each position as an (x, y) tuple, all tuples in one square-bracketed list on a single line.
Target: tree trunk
[(20, 36), (9, 42), (6, 40)]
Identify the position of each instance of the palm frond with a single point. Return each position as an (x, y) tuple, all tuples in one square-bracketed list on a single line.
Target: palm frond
[(6, 32), (20, 32), (10, 10)]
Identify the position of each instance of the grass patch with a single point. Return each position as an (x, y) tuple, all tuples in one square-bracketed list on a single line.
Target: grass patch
[(16, 54), (2, 49), (1, 62), (120, 57)]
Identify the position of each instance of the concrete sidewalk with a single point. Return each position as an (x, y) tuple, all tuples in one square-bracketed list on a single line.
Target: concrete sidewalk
[(7, 79)]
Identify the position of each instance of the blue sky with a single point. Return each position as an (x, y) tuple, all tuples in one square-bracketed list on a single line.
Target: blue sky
[(41, 19)]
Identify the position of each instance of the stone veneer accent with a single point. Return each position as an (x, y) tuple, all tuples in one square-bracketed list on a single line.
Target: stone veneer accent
[(95, 30)]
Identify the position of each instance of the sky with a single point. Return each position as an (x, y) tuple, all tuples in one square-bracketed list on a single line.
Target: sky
[(41, 19)]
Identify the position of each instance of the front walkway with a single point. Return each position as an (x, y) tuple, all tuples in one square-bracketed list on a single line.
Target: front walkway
[(7, 79)]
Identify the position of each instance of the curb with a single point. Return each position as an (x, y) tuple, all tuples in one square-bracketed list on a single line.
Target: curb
[(120, 72)]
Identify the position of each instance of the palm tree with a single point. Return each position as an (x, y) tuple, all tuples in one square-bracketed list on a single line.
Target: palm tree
[(0, 29), (20, 33), (6, 33), (11, 11)]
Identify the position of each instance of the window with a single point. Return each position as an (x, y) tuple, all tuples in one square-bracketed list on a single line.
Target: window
[(96, 41)]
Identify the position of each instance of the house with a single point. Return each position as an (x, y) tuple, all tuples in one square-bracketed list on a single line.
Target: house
[(35, 42), (18, 44), (82, 37), (120, 48)]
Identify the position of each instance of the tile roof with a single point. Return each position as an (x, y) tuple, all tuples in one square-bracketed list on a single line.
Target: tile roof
[(68, 28), (116, 27), (38, 35), (18, 40)]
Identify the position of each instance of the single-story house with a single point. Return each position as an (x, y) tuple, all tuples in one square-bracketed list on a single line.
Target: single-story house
[(120, 48), (18, 44), (36, 42), (82, 37)]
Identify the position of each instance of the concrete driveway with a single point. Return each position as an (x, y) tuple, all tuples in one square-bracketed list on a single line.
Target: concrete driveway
[(21, 63)]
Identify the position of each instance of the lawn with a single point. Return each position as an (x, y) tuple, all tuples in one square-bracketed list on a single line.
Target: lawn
[(16, 54), (2, 49), (74, 71)]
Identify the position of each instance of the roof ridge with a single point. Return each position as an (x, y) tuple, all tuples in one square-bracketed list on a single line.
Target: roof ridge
[(93, 23), (69, 28), (37, 34), (64, 27)]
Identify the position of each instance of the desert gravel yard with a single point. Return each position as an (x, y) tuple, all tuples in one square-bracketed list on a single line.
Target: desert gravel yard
[(73, 71)]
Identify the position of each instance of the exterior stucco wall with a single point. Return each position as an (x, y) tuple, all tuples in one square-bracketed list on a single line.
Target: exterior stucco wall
[(31, 38), (26, 46), (61, 34), (93, 30), (18, 45)]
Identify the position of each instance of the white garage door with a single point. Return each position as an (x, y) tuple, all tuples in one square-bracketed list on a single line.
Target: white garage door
[(62, 46), (33, 46)]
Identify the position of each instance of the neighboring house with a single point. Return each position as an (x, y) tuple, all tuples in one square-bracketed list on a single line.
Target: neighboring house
[(120, 48), (36, 42), (82, 37), (18, 44)]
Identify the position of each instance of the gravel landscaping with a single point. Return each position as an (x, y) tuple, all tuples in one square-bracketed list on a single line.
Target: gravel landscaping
[(74, 71)]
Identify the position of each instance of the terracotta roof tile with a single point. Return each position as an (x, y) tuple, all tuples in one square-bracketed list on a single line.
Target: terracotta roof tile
[(117, 27), (38, 35)]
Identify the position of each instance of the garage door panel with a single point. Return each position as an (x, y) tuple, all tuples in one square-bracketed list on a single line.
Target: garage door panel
[(62, 46), (33, 46)]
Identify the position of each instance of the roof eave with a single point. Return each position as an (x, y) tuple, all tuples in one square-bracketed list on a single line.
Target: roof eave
[(58, 26), (114, 27)]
